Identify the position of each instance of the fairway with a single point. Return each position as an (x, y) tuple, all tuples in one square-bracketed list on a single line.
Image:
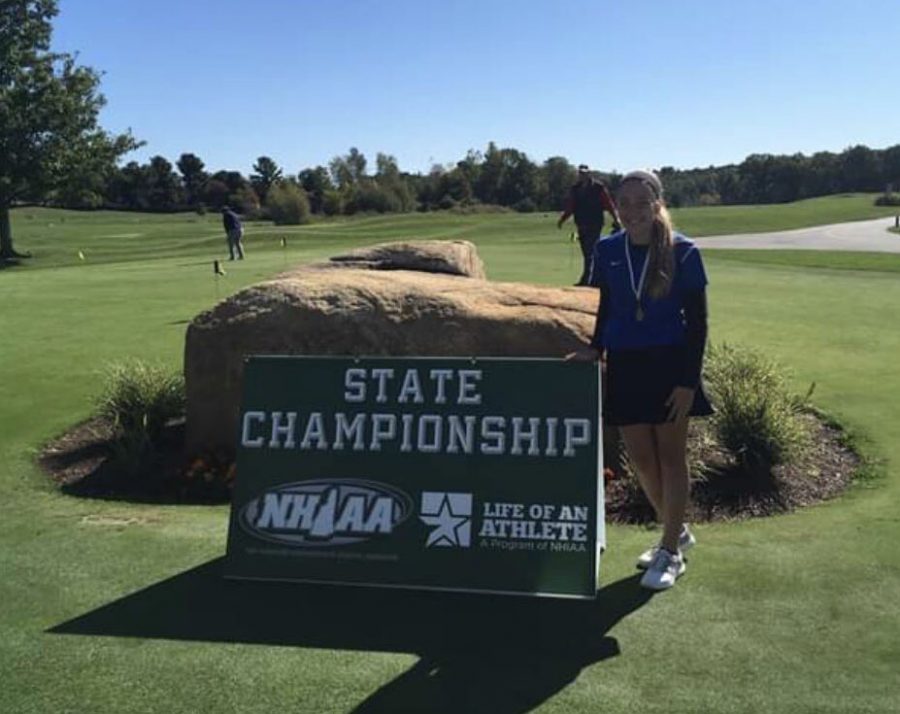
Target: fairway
[(56, 237), (796, 613)]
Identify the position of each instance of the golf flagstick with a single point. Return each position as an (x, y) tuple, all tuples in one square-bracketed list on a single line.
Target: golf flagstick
[(572, 240), (217, 271)]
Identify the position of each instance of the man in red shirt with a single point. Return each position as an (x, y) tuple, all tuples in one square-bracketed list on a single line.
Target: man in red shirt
[(587, 200)]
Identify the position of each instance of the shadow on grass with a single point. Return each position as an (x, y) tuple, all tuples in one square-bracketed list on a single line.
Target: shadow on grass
[(88, 462), (477, 652)]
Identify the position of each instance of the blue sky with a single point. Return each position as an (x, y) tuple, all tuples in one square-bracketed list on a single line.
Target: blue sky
[(617, 85)]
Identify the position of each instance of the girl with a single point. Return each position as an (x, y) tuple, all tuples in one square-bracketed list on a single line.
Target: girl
[(650, 336)]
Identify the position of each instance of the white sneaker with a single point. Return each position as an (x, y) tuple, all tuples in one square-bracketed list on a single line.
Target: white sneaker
[(686, 541), (665, 569)]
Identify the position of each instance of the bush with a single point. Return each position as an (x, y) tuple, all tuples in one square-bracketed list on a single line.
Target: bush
[(475, 208), (141, 397), (756, 417), (368, 196), (287, 204), (246, 201), (138, 400), (888, 199), (332, 203), (526, 205), (447, 202)]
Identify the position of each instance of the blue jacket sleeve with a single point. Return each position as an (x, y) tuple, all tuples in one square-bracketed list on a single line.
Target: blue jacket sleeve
[(695, 318), (602, 317)]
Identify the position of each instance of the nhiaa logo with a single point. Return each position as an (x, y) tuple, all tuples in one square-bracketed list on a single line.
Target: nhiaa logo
[(326, 512)]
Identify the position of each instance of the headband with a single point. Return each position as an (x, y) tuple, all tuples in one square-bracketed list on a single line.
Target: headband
[(648, 178)]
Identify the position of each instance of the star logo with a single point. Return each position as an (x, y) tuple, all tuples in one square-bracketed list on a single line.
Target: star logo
[(450, 515)]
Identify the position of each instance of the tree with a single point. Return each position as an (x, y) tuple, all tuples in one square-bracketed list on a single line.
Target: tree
[(315, 182), (232, 188), (391, 182), (267, 173), (215, 193), (357, 163), (518, 178), (245, 200), (85, 185), (487, 187), (861, 169), (558, 175), (128, 187), (470, 167), (193, 176), (332, 203), (288, 204), (164, 189), (347, 171), (49, 108), (891, 161), (454, 184), (146, 187)]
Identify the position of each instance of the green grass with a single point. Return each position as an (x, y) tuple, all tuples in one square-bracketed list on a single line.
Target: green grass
[(796, 613), (845, 260), (55, 237), (718, 220)]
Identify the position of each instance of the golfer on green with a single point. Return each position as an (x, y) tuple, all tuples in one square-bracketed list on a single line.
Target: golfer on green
[(234, 231), (587, 200)]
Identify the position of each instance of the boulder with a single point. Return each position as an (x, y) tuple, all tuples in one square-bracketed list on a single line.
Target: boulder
[(454, 257), (361, 311)]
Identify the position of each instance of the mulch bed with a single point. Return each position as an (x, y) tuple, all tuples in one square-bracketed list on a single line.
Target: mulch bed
[(83, 462), (720, 490)]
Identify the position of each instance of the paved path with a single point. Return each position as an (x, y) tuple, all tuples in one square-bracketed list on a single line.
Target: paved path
[(858, 235)]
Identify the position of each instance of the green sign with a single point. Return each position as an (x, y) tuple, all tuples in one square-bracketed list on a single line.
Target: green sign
[(440, 473)]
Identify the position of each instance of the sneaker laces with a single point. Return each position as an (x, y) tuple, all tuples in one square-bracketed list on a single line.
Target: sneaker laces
[(665, 560)]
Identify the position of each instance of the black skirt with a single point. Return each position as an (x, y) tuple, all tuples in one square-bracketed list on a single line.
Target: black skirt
[(638, 383)]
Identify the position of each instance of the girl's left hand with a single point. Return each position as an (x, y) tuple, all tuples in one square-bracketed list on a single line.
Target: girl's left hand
[(679, 403)]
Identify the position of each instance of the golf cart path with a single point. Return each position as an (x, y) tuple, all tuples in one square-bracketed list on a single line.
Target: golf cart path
[(857, 235)]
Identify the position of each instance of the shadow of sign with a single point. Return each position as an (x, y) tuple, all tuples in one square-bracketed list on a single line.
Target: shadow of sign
[(478, 652)]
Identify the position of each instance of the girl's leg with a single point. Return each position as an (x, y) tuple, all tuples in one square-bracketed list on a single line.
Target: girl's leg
[(671, 442), (640, 443)]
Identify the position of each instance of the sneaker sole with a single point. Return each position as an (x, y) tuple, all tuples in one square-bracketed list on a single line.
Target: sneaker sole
[(640, 565), (644, 566), (664, 587)]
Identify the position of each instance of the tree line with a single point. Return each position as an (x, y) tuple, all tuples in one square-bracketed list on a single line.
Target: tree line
[(53, 152), (497, 176)]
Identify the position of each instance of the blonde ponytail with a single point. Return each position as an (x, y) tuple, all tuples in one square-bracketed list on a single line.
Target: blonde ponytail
[(661, 269)]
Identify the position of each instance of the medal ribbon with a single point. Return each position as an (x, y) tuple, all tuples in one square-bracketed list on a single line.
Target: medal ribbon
[(639, 288)]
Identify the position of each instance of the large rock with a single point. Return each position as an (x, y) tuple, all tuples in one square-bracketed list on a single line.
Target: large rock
[(358, 311), (454, 257)]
